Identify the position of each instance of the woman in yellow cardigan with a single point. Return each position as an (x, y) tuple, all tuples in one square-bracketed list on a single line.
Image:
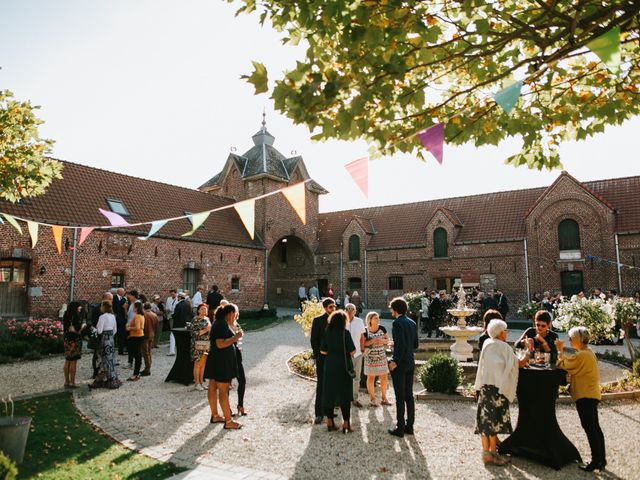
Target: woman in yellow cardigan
[(585, 391)]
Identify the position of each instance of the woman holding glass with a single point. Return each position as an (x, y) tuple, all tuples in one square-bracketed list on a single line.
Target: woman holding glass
[(376, 340)]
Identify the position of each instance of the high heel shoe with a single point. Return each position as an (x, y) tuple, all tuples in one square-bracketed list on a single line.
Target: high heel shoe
[(331, 426), (242, 412), (346, 427)]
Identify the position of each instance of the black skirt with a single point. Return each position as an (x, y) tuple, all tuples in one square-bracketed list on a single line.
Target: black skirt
[(222, 365)]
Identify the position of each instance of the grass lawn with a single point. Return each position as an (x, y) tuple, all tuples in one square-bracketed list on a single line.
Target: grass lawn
[(63, 446)]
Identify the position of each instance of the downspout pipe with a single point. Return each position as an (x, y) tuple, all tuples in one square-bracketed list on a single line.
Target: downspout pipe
[(366, 280), (72, 283), (618, 266), (342, 291), (526, 270)]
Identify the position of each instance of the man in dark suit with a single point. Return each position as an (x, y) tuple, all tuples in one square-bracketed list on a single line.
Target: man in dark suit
[(402, 366), (489, 303), (435, 315), (182, 312), (213, 299), (318, 328), (502, 304), (120, 312)]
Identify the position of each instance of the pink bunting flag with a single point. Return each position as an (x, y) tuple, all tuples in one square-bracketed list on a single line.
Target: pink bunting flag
[(114, 219), (433, 139), (359, 171), (84, 233)]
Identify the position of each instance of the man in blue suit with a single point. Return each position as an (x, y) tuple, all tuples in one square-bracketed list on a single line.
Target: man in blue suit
[(402, 366)]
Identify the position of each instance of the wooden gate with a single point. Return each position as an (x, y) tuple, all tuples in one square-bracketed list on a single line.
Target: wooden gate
[(14, 278)]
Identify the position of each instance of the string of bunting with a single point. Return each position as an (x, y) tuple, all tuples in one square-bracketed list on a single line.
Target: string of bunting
[(295, 195), (606, 47), (593, 258)]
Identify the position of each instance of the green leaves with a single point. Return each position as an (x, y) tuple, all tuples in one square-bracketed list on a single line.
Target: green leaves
[(25, 171), (258, 78), (383, 70)]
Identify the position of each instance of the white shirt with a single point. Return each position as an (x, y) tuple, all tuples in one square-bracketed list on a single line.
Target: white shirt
[(106, 322), (498, 365), (302, 292), (170, 305), (197, 300), (356, 328), (424, 306)]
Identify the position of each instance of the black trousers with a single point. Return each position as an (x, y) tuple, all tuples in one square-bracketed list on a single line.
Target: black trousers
[(135, 351), (121, 335), (402, 379), (588, 412), (320, 378), (345, 408), (242, 382)]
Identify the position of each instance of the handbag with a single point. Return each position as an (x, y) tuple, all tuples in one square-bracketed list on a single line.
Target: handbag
[(348, 362), (93, 339), (201, 345)]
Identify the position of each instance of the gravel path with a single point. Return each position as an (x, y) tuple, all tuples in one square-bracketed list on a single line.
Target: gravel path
[(171, 422)]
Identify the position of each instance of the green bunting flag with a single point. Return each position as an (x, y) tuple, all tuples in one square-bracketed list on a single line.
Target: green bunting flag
[(508, 97), (607, 48)]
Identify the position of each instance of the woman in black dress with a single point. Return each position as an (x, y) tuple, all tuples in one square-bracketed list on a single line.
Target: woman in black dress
[(73, 326), (337, 388), (222, 366)]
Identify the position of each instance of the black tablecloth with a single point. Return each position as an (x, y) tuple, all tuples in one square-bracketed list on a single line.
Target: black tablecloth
[(182, 370), (537, 435)]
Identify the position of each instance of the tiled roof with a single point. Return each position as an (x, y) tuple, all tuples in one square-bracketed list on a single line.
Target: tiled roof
[(75, 199), (484, 218)]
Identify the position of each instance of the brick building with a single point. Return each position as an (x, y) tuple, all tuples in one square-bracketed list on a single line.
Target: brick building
[(521, 241)]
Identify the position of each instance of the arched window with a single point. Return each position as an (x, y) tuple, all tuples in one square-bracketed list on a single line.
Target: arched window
[(569, 235), (354, 247), (440, 247)]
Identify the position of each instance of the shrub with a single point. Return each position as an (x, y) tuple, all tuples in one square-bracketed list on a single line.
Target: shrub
[(598, 315), (39, 335), (310, 310), (528, 310), (441, 374), (32, 355), (8, 469), (5, 359)]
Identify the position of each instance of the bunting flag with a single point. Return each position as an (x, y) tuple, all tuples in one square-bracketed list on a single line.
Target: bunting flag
[(297, 199), (196, 220), (433, 139), (247, 211), (114, 219), (155, 226), (508, 97), (84, 233), (14, 223), (607, 48), (57, 237), (359, 171), (33, 231)]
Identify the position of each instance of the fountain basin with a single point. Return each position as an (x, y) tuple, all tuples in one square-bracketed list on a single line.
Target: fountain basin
[(461, 348)]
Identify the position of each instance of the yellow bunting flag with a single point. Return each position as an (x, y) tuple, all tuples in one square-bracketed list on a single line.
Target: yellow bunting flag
[(33, 231), (296, 197), (196, 220), (13, 222), (247, 211), (57, 237)]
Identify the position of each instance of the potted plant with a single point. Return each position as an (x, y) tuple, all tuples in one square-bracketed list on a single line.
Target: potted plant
[(13, 432)]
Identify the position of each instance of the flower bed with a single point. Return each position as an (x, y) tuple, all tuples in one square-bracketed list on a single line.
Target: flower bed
[(303, 364), (31, 338), (598, 315)]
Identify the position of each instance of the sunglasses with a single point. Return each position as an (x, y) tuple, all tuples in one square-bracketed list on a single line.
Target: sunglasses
[(541, 325)]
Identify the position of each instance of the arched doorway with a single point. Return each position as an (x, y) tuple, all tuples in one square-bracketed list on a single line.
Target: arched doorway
[(290, 262)]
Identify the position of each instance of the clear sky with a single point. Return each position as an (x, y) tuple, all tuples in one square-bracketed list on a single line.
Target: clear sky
[(152, 88)]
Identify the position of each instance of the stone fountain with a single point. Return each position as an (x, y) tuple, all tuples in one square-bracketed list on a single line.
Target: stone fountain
[(460, 332)]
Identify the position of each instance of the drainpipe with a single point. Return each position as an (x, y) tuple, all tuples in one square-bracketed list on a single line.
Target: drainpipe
[(266, 276), (342, 292), (72, 283), (366, 280), (615, 236), (526, 269)]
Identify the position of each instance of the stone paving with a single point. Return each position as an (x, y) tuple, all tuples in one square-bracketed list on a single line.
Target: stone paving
[(171, 422)]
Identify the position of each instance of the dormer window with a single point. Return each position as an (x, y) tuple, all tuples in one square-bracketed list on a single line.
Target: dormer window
[(117, 206)]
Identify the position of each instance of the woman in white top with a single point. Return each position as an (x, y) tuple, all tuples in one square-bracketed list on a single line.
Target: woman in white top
[(106, 327), (496, 383)]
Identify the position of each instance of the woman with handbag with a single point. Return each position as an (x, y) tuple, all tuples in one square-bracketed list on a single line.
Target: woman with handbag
[(337, 389), (73, 328), (200, 327)]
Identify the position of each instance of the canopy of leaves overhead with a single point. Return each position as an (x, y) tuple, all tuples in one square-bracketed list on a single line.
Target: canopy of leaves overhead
[(25, 171), (383, 70)]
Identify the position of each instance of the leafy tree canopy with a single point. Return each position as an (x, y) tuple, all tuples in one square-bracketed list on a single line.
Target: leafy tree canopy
[(384, 70), (25, 171)]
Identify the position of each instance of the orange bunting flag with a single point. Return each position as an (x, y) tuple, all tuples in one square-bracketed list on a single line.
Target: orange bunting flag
[(84, 233), (359, 171), (247, 212), (57, 237), (296, 197), (33, 231)]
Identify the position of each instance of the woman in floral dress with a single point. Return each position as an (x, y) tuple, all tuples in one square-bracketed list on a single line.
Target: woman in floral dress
[(73, 327), (200, 328), (376, 340), (106, 327)]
